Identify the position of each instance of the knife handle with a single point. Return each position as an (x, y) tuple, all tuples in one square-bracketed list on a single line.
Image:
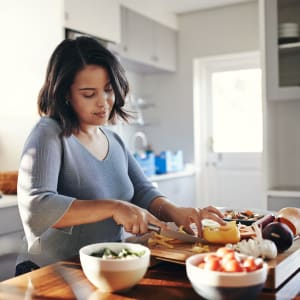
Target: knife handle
[(154, 228)]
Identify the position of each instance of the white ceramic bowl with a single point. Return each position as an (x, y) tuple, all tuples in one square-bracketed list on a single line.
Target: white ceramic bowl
[(111, 275), (214, 285)]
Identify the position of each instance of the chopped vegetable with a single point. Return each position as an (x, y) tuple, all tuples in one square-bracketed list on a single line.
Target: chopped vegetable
[(161, 240), (257, 247), (107, 253), (228, 233), (199, 248), (244, 215), (227, 260)]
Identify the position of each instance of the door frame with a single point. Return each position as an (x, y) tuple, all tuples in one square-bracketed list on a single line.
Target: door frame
[(201, 90)]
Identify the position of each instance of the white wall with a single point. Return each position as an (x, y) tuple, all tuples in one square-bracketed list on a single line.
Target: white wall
[(209, 32), (30, 30), (35, 27)]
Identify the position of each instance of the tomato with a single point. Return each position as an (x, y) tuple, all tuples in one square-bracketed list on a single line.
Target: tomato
[(221, 252), (201, 265), (227, 260), (228, 256), (212, 264), (232, 265), (210, 257), (250, 265)]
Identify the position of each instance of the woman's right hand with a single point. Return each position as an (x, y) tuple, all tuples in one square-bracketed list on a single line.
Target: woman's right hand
[(133, 218)]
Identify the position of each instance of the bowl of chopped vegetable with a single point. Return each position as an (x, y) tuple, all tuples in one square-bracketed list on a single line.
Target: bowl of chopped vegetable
[(114, 267), (226, 274)]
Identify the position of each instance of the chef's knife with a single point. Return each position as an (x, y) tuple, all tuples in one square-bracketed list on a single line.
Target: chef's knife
[(185, 237)]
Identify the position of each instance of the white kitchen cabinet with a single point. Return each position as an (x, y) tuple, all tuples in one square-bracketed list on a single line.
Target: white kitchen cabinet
[(179, 187), (164, 48), (11, 233), (136, 37), (281, 92), (100, 18), (147, 42), (282, 62)]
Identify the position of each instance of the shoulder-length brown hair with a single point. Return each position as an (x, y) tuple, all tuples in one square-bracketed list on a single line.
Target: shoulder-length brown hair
[(69, 57)]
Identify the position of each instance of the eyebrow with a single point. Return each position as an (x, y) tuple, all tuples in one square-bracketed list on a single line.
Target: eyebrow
[(86, 89), (91, 89)]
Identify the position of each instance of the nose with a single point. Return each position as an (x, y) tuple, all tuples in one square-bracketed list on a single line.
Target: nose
[(102, 99)]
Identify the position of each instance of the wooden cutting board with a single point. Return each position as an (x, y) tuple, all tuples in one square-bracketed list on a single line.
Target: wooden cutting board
[(280, 268), (283, 266), (179, 253)]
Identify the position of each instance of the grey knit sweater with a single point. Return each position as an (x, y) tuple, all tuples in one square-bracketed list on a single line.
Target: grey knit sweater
[(54, 171)]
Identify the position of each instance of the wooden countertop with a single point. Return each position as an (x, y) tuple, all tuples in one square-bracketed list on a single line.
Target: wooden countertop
[(65, 280)]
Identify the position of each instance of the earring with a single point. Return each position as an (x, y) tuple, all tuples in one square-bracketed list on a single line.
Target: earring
[(67, 102)]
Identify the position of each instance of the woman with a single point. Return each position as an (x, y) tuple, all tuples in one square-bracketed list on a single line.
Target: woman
[(78, 184)]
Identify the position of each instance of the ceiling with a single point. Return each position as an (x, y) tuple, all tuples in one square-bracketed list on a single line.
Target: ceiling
[(184, 6)]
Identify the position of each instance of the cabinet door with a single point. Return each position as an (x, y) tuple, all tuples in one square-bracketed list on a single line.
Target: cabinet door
[(147, 42), (136, 36), (181, 191), (10, 220), (100, 18), (164, 47), (13, 241), (281, 65)]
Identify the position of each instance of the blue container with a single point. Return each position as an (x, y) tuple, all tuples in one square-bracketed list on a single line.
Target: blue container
[(147, 162), (168, 161)]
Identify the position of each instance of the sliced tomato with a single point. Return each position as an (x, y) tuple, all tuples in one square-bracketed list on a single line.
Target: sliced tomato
[(232, 265), (221, 252), (213, 264), (250, 265)]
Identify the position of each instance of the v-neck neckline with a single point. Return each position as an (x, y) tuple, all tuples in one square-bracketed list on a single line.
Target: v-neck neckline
[(89, 152)]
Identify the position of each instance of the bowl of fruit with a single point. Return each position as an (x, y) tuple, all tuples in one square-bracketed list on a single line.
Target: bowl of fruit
[(226, 274)]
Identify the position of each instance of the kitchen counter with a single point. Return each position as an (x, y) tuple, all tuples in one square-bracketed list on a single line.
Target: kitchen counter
[(189, 170), (8, 201), (65, 280)]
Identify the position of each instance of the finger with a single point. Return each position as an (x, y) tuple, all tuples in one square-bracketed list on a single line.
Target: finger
[(153, 220), (189, 230), (216, 218), (135, 229), (196, 222), (216, 211), (198, 229), (143, 227), (128, 228)]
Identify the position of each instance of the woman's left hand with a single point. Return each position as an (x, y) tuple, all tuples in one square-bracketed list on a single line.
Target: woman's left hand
[(186, 216)]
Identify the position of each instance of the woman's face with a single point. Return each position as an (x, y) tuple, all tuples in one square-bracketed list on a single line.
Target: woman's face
[(92, 96)]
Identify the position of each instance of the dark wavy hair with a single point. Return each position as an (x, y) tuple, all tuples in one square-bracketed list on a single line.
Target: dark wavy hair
[(69, 57)]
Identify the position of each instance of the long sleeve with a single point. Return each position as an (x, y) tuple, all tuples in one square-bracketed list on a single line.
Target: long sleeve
[(40, 205)]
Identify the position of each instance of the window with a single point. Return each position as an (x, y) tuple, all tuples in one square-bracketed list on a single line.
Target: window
[(237, 111)]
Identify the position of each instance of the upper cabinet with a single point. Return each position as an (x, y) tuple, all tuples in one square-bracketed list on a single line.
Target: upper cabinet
[(142, 44), (282, 57), (100, 18), (147, 42)]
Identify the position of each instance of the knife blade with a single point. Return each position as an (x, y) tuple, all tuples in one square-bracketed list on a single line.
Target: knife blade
[(185, 237)]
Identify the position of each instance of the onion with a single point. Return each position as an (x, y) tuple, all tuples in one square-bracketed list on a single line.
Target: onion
[(268, 249), (291, 217), (280, 234), (265, 221)]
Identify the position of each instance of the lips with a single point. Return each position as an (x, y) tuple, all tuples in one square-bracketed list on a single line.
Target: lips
[(101, 114)]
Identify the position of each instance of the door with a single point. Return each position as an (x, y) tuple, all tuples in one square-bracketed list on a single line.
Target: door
[(228, 131)]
